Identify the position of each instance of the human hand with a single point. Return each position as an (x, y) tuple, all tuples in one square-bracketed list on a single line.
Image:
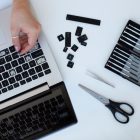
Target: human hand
[(24, 27)]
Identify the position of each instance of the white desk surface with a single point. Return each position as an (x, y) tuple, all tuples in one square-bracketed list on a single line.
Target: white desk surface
[(95, 122)]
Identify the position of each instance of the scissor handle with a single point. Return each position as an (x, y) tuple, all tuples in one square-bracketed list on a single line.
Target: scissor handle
[(121, 111)]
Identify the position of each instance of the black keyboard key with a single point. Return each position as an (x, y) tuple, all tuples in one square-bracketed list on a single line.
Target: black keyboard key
[(25, 66), (28, 80), (12, 80), (47, 71), (32, 63), (21, 60), (2, 69), (8, 58), (18, 77), (34, 77), (5, 75), (45, 66), (10, 87), (37, 53), (5, 83), (41, 74), (31, 71), (16, 85), (19, 69), (2, 61), (14, 63), (8, 66), (4, 52), (15, 55), (12, 49), (4, 90), (25, 74), (1, 78), (22, 82), (38, 69), (0, 85)]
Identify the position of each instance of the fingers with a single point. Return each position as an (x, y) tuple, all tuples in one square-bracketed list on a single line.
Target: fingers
[(32, 38), (15, 39)]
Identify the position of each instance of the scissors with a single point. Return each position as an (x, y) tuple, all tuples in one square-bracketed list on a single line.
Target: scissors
[(120, 110)]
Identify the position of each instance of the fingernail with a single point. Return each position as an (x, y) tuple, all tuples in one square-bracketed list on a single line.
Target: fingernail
[(17, 48)]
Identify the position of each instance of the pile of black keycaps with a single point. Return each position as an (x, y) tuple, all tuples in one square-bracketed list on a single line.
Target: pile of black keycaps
[(81, 39)]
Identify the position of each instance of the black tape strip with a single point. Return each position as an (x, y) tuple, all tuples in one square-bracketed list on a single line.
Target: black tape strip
[(83, 19)]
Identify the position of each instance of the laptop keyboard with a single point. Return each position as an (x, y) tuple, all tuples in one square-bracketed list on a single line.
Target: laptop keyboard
[(17, 70), (48, 113)]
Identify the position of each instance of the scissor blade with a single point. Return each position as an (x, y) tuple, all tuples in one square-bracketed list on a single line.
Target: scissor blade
[(99, 97)]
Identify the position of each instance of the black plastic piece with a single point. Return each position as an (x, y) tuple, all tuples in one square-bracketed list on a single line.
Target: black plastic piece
[(68, 39), (78, 31), (84, 43), (82, 38), (74, 48), (70, 57), (65, 49), (60, 37), (83, 19), (70, 64)]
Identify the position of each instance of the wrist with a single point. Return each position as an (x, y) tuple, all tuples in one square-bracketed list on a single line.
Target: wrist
[(19, 3)]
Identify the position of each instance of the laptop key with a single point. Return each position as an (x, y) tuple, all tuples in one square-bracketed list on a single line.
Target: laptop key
[(19, 69), (12, 49), (8, 66), (15, 55), (38, 69), (25, 74), (16, 85), (2, 69), (12, 72), (18, 77), (21, 60), (10, 87), (32, 71), (12, 80), (1, 78), (5, 83), (22, 82), (8, 58), (5, 75), (37, 53), (28, 58), (2, 61), (4, 90), (45, 66), (4, 52), (25, 66), (14, 63), (32, 63), (0, 85), (47, 71), (41, 74), (28, 80), (34, 77)]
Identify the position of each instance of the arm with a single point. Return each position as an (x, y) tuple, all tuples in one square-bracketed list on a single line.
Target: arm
[(22, 21)]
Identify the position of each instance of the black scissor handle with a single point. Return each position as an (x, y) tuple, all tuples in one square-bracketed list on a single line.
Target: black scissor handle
[(119, 112)]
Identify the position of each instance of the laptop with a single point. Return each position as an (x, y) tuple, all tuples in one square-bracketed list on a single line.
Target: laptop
[(33, 97)]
